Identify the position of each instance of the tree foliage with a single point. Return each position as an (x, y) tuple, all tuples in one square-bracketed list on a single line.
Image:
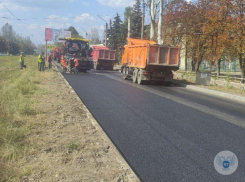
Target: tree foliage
[(74, 32), (210, 30), (13, 43), (118, 30), (116, 37), (94, 36), (136, 20)]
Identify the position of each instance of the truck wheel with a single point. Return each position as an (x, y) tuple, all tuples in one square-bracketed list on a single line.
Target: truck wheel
[(135, 75), (139, 79), (124, 74)]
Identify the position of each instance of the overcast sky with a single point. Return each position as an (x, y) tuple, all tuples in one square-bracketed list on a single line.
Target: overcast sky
[(37, 15)]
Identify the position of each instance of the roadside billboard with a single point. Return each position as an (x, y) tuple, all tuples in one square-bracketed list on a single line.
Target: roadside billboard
[(55, 34), (48, 34)]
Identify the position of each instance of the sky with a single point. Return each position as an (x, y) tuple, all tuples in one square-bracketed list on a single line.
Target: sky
[(36, 15)]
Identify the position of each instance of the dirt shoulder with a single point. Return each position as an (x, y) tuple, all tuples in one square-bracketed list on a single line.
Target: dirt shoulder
[(63, 141)]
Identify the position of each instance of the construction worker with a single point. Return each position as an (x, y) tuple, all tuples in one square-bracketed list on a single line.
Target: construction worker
[(50, 61), (76, 64), (41, 62), (21, 61)]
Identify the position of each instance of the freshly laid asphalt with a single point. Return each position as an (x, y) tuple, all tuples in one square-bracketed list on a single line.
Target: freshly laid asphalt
[(166, 134)]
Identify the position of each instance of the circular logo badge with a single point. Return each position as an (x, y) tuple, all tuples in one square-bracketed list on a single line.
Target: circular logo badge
[(225, 162)]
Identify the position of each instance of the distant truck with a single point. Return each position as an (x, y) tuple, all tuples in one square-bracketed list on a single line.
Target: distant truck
[(76, 49), (144, 60), (103, 58)]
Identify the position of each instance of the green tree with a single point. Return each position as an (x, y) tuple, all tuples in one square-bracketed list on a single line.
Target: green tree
[(74, 33), (117, 38), (3, 44), (14, 43), (136, 20), (115, 32), (128, 13)]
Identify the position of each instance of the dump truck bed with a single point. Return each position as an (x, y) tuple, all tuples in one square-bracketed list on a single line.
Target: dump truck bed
[(103, 53), (144, 53)]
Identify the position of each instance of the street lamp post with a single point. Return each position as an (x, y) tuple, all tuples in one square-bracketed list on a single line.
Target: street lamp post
[(106, 27)]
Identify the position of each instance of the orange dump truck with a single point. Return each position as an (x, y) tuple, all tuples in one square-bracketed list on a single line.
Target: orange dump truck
[(144, 60)]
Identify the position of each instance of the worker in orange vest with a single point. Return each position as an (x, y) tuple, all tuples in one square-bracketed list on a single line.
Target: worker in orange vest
[(76, 65)]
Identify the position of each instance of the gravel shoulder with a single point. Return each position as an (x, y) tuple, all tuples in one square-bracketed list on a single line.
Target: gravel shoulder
[(63, 141)]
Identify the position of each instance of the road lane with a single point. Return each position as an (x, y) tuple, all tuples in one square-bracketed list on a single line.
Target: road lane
[(163, 140)]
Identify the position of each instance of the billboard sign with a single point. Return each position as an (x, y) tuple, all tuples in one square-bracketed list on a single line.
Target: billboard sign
[(48, 34), (55, 34), (63, 34)]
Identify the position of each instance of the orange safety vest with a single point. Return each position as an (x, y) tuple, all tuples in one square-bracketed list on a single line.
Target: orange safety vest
[(76, 62)]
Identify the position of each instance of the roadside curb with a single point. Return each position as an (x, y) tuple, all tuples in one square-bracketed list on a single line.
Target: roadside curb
[(231, 97), (122, 161)]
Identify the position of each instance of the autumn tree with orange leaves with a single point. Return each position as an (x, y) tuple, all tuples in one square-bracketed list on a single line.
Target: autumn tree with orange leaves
[(209, 30)]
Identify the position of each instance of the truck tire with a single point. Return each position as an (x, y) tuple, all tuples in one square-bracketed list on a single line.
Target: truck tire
[(124, 74), (139, 79), (135, 75)]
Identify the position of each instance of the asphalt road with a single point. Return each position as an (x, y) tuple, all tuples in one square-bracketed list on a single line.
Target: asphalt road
[(166, 134)]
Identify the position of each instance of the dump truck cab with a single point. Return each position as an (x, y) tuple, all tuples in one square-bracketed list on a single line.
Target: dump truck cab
[(76, 48)]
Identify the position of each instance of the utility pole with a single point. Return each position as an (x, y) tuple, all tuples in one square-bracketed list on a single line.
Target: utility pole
[(143, 20), (129, 27), (106, 27), (46, 50)]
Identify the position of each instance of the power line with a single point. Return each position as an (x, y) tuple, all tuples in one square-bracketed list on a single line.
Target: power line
[(8, 10), (16, 19), (102, 18), (25, 28), (49, 18)]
